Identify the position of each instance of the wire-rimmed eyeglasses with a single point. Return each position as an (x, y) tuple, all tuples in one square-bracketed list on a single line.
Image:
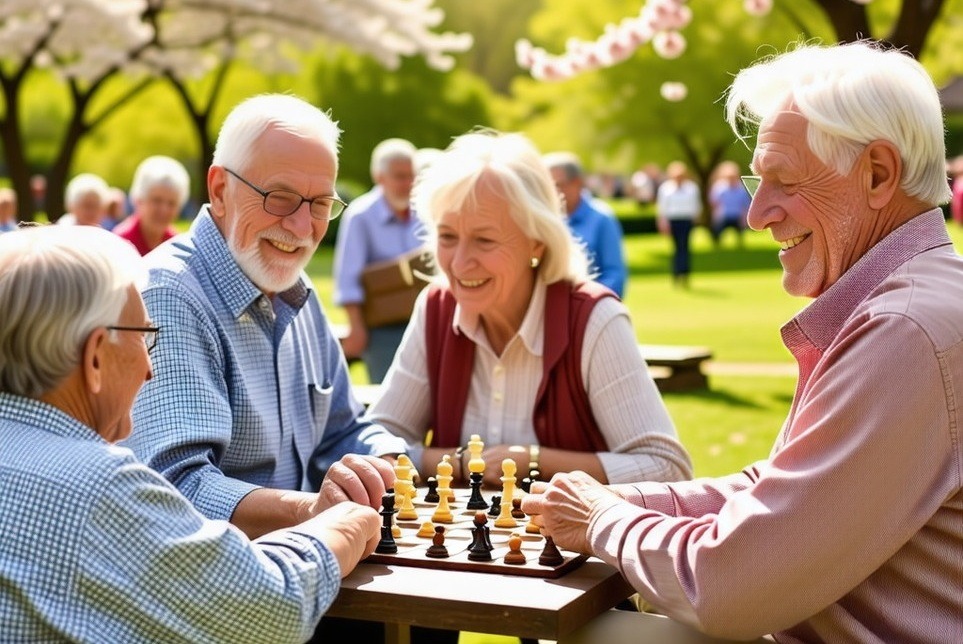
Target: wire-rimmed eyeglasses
[(751, 182), (150, 333), (282, 203)]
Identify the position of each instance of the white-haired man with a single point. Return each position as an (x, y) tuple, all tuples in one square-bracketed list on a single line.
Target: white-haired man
[(377, 226), (851, 530), (97, 547)]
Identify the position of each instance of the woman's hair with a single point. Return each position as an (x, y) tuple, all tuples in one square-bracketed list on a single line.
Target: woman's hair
[(851, 95), (160, 171), (57, 284), (252, 117), (84, 184), (514, 166)]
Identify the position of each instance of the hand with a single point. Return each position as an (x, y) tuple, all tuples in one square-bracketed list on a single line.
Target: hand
[(493, 457), (359, 478), (355, 342), (564, 507), (349, 530)]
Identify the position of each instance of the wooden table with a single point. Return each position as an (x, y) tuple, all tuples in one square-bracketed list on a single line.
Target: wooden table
[(530, 607)]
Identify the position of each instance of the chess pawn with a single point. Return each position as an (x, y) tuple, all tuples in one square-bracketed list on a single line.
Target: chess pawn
[(407, 511), (505, 519), (437, 549), (443, 511), (550, 554), (531, 527), (515, 556), (480, 548), (516, 509), (427, 530), (432, 495)]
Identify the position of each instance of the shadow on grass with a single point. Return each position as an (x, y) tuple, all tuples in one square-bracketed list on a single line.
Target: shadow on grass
[(711, 261), (719, 396)]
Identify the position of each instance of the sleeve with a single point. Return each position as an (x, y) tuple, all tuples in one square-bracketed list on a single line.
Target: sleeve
[(850, 472), (626, 403), (609, 257), (187, 578), (350, 258), (405, 404), (182, 415)]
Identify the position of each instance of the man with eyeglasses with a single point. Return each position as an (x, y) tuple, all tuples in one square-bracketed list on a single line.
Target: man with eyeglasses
[(96, 546), (250, 411), (852, 529)]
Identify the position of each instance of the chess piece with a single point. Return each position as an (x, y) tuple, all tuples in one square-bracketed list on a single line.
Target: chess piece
[(404, 489), (387, 544), (407, 511), (476, 467), (516, 509), (432, 495), (505, 519), (426, 531), (496, 508), (437, 549), (550, 554), (480, 548), (526, 485), (515, 556), (531, 528), (443, 511)]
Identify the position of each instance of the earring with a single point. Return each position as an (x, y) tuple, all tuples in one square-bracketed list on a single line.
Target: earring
[(535, 262)]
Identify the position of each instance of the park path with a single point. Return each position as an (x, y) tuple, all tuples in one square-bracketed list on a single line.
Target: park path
[(714, 368)]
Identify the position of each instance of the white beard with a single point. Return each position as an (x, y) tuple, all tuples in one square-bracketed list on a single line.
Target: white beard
[(275, 277)]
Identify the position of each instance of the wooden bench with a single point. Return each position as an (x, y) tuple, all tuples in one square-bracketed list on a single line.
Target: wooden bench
[(676, 367)]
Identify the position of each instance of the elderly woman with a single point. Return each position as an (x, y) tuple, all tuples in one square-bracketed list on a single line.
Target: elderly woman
[(86, 200), (518, 345), (159, 190)]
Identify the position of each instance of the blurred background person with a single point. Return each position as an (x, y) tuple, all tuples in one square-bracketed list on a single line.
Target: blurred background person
[(591, 220), (516, 344), (377, 226), (86, 201), (159, 190), (8, 210), (116, 210), (956, 177), (678, 206), (730, 201)]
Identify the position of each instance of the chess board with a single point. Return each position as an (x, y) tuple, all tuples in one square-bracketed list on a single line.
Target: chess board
[(458, 537)]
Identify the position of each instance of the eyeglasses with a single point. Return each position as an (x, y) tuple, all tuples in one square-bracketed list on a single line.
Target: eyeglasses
[(282, 203), (150, 333), (751, 182)]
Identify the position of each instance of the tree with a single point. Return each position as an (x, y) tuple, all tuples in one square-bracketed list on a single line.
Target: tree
[(92, 44)]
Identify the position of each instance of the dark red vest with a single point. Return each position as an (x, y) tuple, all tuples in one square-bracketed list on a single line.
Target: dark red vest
[(562, 416)]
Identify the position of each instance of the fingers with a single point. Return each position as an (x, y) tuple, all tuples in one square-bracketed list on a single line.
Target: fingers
[(362, 479)]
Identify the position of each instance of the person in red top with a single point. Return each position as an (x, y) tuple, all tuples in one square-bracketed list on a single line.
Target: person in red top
[(159, 190)]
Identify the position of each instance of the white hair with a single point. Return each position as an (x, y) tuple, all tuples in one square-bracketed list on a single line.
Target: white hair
[(253, 116), (57, 284), (389, 151), (451, 183), (160, 171), (852, 94), (85, 184), (568, 162)]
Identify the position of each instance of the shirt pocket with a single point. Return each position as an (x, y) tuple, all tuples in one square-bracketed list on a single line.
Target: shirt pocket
[(320, 398)]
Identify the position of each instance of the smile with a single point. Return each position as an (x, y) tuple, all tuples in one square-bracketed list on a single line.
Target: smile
[(792, 242), (284, 248), (471, 283)]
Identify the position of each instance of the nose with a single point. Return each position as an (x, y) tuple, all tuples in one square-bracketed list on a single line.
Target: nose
[(763, 210), (461, 258), (300, 222)]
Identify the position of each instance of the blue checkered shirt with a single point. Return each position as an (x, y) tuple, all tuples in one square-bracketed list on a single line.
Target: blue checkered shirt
[(96, 547), (247, 391)]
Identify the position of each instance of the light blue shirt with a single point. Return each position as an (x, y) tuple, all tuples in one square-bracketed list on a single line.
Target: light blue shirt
[(96, 547), (594, 223), (369, 233), (247, 391)]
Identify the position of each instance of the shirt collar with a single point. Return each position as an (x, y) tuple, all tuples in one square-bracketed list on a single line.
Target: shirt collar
[(41, 415), (531, 331), (821, 321), (235, 288)]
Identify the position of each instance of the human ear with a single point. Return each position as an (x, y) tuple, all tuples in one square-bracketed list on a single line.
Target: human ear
[(92, 360), (886, 170), (216, 184)]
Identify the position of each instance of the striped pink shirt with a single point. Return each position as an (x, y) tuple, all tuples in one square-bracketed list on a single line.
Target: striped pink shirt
[(852, 530)]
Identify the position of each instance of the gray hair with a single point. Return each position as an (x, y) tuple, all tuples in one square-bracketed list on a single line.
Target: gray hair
[(391, 150), (57, 284), (85, 184), (253, 116), (164, 171), (568, 162), (851, 95), (451, 183)]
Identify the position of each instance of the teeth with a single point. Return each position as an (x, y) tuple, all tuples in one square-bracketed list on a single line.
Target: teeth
[(786, 244), (282, 247), (471, 283)]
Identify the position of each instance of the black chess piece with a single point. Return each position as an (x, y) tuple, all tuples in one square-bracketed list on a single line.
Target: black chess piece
[(432, 495), (387, 545), (496, 508), (550, 554), (517, 509), (475, 501), (526, 485), (437, 549), (480, 548)]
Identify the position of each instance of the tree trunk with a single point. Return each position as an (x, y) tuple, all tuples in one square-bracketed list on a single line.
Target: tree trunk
[(13, 148)]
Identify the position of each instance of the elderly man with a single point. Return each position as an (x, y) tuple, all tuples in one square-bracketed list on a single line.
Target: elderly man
[(591, 221), (377, 226), (251, 402), (851, 530), (96, 547)]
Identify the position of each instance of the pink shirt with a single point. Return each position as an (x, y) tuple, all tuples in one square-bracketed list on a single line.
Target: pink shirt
[(852, 530)]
